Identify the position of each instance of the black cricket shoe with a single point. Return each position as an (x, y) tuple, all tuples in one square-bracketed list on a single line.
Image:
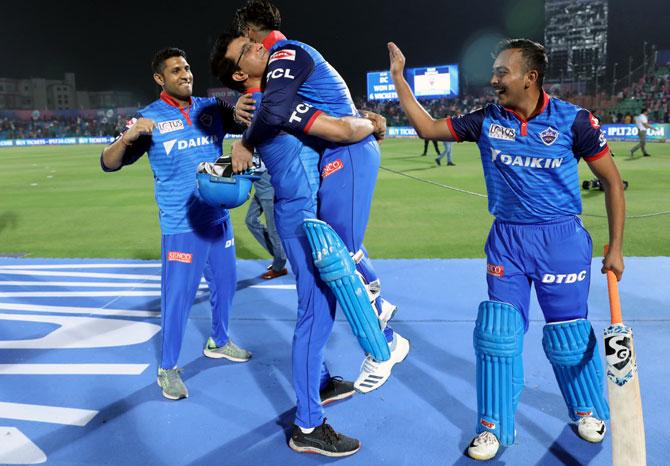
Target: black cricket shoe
[(336, 389), (323, 440)]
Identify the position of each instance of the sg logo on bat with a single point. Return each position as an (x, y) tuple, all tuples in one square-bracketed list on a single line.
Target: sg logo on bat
[(620, 358)]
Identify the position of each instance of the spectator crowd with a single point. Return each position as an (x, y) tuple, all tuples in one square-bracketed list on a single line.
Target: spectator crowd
[(651, 91)]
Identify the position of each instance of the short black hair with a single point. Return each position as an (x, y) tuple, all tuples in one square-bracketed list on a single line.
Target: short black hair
[(533, 53), (222, 67), (260, 13), (158, 61), (644, 110)]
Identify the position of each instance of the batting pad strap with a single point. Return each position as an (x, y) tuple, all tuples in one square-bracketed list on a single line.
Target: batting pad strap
[(498, 342), (338, 270), (572, 350)]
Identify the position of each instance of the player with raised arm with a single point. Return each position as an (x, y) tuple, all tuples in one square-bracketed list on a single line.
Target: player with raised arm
[(178, 132), (530, 145)]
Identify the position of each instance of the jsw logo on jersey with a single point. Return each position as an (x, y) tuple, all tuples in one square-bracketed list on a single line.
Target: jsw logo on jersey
[(564, 277), (189, 143), (525, 161), (280, 73)]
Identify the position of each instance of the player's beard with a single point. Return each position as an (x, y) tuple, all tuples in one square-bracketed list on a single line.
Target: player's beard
[(181, 91)]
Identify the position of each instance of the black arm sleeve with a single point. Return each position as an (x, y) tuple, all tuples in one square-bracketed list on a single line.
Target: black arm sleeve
[(227, 112)]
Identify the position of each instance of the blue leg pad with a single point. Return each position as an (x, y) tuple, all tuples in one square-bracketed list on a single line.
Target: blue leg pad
[(338, 270), (498, 342), (573, 353)]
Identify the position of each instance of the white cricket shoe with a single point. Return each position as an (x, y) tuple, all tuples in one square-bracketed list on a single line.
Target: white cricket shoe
[(387, 313), (484, 446), (591, 429), (374, 374)]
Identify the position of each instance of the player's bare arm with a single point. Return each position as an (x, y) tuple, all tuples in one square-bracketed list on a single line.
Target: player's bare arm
[(608, 174), (241, 155), (379, 123), (426, 126), (345, 130), (112, 155), (244, 109)]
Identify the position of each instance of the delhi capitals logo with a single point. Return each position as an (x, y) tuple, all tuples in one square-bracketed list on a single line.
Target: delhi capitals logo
[(206, 119), (549, 136)]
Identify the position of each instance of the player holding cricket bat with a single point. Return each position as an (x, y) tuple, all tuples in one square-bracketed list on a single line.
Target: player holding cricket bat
[(530, 146)]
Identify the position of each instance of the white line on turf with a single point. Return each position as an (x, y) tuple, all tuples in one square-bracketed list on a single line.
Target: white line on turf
[(81, 266), (78, 310), (42, 273), (72, 369), (16, 448), (50, 414)]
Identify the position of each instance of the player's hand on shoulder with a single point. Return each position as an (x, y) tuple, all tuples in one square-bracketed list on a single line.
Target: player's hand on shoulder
[(396, 59), (379, 123), (244, 109), (143, 126), (241, 157), (613, 261)]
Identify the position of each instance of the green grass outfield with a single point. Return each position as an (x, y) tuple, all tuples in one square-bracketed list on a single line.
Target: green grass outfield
[(56, 202)]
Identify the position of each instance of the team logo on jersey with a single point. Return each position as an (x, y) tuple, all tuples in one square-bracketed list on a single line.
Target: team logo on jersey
[(487, 424), (282, 55), (564, 277), (206, 119), (189, 143), (279, 73), (525, 161), (594, 121), (175, 256), (602, 140), (502, 132), (549, 136), (331, 168), (495, 270), (168, 145), (169, 126)]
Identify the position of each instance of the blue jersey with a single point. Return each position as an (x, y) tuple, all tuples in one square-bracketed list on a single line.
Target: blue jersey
[(530, 166), (300, 84), (294, 171), (183, 138)]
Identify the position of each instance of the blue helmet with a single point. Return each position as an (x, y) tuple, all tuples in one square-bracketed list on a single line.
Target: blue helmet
[(218, 186)]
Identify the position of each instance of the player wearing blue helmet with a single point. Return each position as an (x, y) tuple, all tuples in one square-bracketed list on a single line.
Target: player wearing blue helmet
[(530, 145), (178, 132)]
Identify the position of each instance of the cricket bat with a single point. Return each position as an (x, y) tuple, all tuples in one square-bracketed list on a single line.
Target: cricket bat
[(623, 386)]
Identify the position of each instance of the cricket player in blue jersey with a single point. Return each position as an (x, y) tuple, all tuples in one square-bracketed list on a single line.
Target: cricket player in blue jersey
[(530, 146), (296, 72), (293, 165), (178, 131)]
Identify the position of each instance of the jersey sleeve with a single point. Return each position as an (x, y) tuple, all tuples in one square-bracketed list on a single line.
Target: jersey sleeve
[(467, 127), (301, 118), (288, 68), (588, 140), (227, 112), (134, 151)]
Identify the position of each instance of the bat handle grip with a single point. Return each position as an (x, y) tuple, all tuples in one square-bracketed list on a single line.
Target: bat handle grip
[(613, 293)]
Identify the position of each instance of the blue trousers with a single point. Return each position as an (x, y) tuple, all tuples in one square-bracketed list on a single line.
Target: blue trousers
[(348, 179), (186, 257), (266, 235), (316, 314), (555, 257)]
